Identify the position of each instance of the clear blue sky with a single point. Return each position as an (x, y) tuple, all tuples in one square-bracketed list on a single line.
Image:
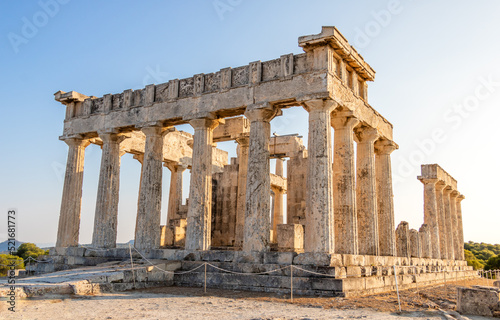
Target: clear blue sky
[(430, 57)]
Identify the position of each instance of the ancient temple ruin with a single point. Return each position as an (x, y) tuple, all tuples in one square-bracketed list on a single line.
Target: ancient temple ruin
[(339, 203)]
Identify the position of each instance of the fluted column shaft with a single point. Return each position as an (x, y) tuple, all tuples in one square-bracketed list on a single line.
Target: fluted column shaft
[(243, 143), (257, 208), (175, 193), (448, 219), (431, 214), (385, 197), (460, 227), (147, 228), (69, 217), (319, 229), (454, 225), (106, 211), (366, 194), (443, 235), (346, 232), (199, 217), (277, 202)]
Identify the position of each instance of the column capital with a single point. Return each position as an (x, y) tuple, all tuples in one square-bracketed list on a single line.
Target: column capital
[(460, 198), (385, 146), (440, 185), (343, 120), (447, 190), (156, 130), (454, 193), (365, 134), (326, 105), (428, 180), (243, 140), (139, 157), (207, 123), (110, 137), (77, 142), (175, 166), (265, 114)]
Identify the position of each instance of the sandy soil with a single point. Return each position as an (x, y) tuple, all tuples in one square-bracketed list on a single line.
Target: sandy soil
[(192, 303)]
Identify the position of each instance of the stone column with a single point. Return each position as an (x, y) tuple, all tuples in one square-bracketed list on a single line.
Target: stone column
[(415, 246), (69, 217), (460, 227), (147, 228), (257, 208), (243, 143), (346, 233), (403, 239), (449, 230), (431, 214), (199, 216), (278, 201), (454, 224), (175, 194), (440, 185), (366, 195), (106, 211), (319, 228), (385, 203), (425, 241)]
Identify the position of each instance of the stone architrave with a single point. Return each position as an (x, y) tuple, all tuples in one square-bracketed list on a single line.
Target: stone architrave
[(425, 241), (243, 143), (106, 212), (319, 229), (403, 239), (441, 220), (147, 228), (449, 231), (385, 197), (431, 214), (460, 227), (175, 194), (69, 218), (366, 194), (344, 176), (454, 225), (199, 217), (257, 226)]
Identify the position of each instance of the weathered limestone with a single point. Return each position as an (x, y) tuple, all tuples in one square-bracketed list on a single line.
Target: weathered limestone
[(385, 197), (319, 229), (443, 235), (346, 233), (198, 232), (403, 239), (481, 301), (106, 212), (257, 226), (290, 237), (454, 225), (415, 246), (460, 227), (366, 195), (175, 193), (277, 216), (243, 145), (425, 241), (449, 229), (147, 229), (69, 218), (296, 193), (431, 214)]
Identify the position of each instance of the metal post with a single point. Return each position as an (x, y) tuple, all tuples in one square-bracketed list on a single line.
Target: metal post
[(397, 289), (131, 263)]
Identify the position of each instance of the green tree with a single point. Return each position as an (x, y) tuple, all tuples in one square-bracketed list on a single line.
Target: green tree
[(30, 250), (472, 261), (493, 263), (6, 260)]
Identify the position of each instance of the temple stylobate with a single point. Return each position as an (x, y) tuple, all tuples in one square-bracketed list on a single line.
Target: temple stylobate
[(339, 193)]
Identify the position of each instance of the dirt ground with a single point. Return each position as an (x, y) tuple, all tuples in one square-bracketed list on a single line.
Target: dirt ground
[(193, 303)]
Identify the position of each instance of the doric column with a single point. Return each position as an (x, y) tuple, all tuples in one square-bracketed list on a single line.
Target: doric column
[(277, 202), (431, 214), (425, 241), (346, 233), (106, 210), (257, 208), (175, 193), (441, 220), (199, 216), (319, 229), (243, 143), (454, 224), (449, 230), (366, 195), (403, 239), (385, 196), (147, 228), (71, 204), (460, 227)]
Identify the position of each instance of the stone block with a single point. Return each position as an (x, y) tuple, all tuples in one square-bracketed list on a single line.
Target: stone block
[(374, 282), (249, 257), (477, 301), (217, 255), (168, 237), (353, 260), (75, 251), (353, 271), (496, 284), (282, 258), (57, 251), (290, 237), (179, 236), (313, 258)]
